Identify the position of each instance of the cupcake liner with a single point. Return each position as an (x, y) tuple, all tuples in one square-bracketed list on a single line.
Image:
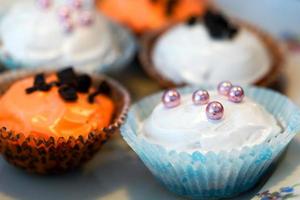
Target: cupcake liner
[(58, 155), (212, 175), (148, 41), (116, 58)]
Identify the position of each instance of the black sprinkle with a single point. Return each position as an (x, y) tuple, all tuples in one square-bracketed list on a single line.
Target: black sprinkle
[(39, 80), (45, 88), (67, 76), (84, 83), (218, 26), (171, 4), (104, 88), (91, 97), (192, 21), (69, 84), (68, 93), (30, 90), (39, 84)]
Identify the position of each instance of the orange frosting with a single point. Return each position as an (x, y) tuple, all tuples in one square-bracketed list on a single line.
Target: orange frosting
[(144, 15), (46, 114)]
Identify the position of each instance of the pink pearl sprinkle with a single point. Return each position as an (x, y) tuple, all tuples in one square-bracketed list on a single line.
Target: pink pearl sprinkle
[(200, 97), (214, 110), (224, 87), (44, 4), (236, 94), (171, 98), (86, 19), (64, 13), (77, 4), (68, 26)]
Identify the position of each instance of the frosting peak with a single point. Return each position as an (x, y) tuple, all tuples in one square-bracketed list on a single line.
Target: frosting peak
[(56, 36), (188, 54), (187, 128)]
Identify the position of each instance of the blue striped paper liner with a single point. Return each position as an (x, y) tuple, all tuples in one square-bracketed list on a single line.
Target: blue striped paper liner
[(213, 175)]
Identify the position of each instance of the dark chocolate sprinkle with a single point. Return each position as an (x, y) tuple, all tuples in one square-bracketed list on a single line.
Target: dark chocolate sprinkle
[(67, 76), (69, 84), (171, 4), (91, 97), (68, 93), (218, 26), (192, 21), (30, 90), (39, 80), (39, 84), (104, 88), (84, 83), (45, 87)]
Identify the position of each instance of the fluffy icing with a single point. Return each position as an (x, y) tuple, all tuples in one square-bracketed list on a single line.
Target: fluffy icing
[(37, 38), (187, 54), (47, 114), (186, 127)]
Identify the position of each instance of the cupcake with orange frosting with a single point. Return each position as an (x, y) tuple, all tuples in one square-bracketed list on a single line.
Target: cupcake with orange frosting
[(50, 123), (145, 15)]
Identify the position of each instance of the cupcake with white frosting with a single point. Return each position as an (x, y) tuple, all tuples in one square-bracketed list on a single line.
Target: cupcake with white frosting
[(210, 49), (60, 33), (208, 143)]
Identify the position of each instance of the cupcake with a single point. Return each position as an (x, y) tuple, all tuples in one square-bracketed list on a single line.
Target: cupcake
[(145, 15), (211, 143), (53, 122), (62, 33), (210, 49)]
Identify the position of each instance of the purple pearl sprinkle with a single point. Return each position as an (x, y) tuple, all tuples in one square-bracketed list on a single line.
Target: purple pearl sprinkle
[(68, 26), (77, 4), (200, 97), (64, 13), (224, 87), (214, 110), (171, 98), (236, 94), (44, 4), (86, 19)]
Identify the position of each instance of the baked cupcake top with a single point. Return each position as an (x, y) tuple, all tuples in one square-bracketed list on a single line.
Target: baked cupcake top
[(209, 121), (145, 15), (57, 33), (58, 105), (211, 49)]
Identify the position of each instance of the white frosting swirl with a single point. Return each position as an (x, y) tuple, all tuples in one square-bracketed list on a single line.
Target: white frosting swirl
[(36, 37), (186, 127), (188, 54)]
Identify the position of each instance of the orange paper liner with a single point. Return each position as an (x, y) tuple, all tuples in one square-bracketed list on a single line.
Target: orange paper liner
[(148, 41), (58, 155)]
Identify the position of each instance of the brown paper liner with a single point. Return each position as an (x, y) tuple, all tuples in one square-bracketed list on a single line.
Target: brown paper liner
[(58, 155), (148, 42)]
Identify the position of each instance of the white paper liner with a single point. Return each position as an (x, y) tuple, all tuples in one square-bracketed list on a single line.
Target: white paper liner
[(213, 175)]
